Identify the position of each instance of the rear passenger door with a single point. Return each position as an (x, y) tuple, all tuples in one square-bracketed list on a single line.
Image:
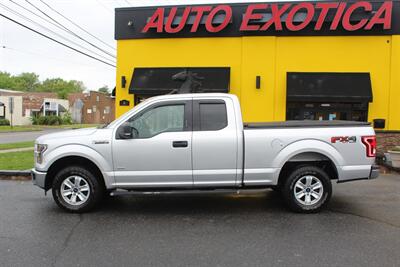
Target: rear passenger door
[(214, 143)]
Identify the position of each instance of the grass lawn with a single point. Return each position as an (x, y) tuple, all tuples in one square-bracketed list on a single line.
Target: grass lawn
[(16, 160), (16, 145), (41, 127)]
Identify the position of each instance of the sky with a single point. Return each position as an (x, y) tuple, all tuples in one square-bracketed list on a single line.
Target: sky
[(25, 51)]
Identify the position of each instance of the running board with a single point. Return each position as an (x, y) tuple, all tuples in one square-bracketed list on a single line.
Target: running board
[(187, 192)]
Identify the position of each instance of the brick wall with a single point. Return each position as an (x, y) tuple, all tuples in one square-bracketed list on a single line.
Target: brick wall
[(387, 140)]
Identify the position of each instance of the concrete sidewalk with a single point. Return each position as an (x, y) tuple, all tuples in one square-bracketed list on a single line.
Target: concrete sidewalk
[(17, 150)]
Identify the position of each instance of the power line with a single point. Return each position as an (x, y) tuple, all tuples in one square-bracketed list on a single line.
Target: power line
[(77, 25), (68, 30), (47, 29), (54, 40), (41, 55)]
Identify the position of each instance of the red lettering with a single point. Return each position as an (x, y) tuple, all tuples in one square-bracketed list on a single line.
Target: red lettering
[(310, 14), (156, 21), (228, 16), (346, 18), (324, 11), (249, 15), (338, 15), (386, 8), (171, 17), (276, 17), (200, 10)]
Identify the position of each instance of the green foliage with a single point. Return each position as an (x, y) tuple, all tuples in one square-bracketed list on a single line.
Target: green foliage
[(105, 90), (66, 119), (4, 122), (29, 82)]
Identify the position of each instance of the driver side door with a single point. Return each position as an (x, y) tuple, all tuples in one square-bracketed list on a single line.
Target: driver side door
[(159, 152)]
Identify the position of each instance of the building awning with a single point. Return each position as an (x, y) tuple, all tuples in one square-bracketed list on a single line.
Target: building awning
[(158, 81), (329, 87)]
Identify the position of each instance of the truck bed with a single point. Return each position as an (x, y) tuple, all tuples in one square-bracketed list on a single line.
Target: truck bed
[(304, 124)]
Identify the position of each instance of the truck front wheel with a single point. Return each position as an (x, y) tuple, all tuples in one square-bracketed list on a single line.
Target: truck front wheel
[(307, 189), (76, 189)]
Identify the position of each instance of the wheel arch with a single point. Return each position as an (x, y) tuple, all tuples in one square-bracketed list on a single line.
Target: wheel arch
[(310, 158), (66, 161)]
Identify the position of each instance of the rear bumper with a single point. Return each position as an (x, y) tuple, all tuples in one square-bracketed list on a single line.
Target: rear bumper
[(38, 178), (374, 172)]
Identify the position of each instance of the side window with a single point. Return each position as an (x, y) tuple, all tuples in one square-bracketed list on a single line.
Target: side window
[(161, 119), (212, 116)]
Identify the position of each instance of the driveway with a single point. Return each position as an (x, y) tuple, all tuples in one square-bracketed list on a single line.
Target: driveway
[(13, 137), (361, 227)]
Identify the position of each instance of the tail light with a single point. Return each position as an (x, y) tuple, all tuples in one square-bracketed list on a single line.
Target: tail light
[(370, 145)]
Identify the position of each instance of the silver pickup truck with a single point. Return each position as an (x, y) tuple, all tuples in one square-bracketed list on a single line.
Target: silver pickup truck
[(199, 142)]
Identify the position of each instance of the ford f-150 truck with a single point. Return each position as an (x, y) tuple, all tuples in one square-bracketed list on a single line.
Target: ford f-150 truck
[(199, 142)]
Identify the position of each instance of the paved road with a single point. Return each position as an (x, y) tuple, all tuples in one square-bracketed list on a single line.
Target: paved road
[(24, 136), (360, 228)]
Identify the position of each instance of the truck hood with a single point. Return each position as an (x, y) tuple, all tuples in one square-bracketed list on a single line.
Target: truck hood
[(66, 134)]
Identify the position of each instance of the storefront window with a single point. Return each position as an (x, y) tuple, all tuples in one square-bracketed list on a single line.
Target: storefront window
[(327, 111)]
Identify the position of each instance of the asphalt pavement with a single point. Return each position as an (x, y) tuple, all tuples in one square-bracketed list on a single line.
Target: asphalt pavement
[(14, 137), (361, 227)]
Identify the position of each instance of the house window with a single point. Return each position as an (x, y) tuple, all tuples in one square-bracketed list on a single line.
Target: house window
[(94, 108), (97, 98), (107, 110)]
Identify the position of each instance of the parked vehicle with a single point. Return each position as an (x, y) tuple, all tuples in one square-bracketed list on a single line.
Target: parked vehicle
[(199, 142)]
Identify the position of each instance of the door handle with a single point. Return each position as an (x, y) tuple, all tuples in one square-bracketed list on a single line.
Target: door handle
[(179, 143)]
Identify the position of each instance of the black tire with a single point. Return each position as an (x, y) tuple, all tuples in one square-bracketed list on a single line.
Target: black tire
[(288, 189), (94, 195)]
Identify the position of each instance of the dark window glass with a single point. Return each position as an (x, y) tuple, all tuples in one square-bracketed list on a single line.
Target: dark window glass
[(213, 116)]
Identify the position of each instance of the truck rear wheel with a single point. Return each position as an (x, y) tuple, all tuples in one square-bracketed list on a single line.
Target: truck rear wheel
[(307, 189), (76, 189)]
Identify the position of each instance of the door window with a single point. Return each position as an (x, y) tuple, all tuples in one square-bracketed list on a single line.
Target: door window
[(160, 119), (212, 116)]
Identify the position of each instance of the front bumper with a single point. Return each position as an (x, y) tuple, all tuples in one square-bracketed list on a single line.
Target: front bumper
[(38, 178), (374, 172)]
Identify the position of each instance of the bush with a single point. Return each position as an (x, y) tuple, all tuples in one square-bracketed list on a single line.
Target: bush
[(66, 118), (4, 122), (47, 120)]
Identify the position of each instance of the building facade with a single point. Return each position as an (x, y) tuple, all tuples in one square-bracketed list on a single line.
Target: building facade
[(285, 61), (92, 107)]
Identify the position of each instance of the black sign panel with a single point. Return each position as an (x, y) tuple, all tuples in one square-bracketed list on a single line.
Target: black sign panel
[(256, 19)]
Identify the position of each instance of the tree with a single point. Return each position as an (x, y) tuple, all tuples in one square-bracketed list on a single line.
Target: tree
[(29, 82), (6, 81), (26, 81), (61, 87), (105, 90)]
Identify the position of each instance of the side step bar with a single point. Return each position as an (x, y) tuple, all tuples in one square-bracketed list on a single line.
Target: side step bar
[(188, 192)]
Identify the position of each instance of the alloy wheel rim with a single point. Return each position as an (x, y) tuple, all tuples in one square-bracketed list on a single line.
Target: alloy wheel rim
[(75, 190), (308, 190)]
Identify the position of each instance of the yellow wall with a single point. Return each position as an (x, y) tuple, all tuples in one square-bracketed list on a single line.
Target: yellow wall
[(271, 58)]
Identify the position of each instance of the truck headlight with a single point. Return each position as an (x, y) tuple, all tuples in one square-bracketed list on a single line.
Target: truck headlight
[(39, 150)]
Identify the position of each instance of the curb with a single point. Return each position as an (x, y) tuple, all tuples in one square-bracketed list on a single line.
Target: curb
[(15, 175)]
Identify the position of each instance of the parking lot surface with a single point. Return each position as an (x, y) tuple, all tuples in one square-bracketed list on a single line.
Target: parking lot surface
[(361, 227)]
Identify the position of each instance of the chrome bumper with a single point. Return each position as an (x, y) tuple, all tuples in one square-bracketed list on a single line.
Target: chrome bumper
[(374, 172), (38, 178)]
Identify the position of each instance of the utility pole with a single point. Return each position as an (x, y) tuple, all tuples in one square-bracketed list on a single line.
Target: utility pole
[(11, 106)]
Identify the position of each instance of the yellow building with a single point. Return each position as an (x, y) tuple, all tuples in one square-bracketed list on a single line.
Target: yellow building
[(294, 61)]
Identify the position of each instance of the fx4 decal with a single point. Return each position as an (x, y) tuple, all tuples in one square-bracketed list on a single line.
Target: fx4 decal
[(343, 139)]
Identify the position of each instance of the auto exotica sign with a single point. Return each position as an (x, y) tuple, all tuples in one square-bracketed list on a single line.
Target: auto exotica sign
[(308, 18), (163, 22)]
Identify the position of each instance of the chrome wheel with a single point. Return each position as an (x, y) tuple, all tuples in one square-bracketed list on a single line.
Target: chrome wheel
[(308, 190), (75, 190)]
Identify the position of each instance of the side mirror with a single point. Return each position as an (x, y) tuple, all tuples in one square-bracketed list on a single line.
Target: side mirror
[(125, 131)]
